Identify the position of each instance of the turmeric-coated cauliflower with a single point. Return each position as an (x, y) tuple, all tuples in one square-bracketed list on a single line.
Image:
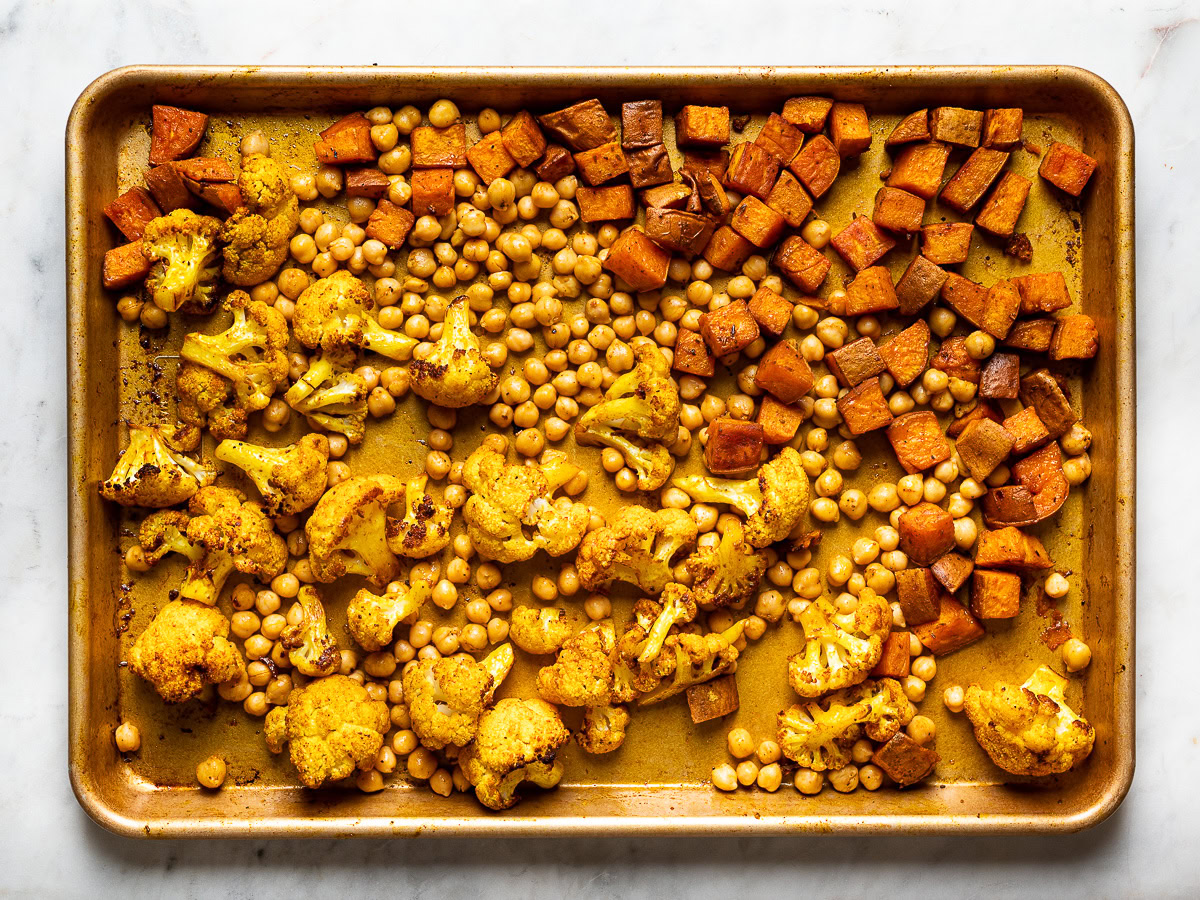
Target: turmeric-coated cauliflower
[(372, 618), (602, 729), (517, 741), (840, 649), (638, 547), (331, 395), (185, 647), (182, 250), (454, 374), (290, 479), (312, 650), (333, 314), (582, 674), (818, 734), (347, 530), (688, 659), (151, 473), (425, 528), (208, 400), (447, 696), (542, 631), (257, 234), (235, 534), (728, 573)]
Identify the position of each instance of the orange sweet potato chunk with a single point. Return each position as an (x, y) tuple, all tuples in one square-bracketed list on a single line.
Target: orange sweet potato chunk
[(952, 570), (804, 265), (898, 210), (582, 126), (752, 170), (348, 140), (849, 129), (490, 158), (905, 761), (1028, 431), (953, 359), (1041, 474), (784, 373), (918, 594), (132, 212), (995, 595), (702, 126), (946, 243), (523, 139), (1075, 337), (1044, 292), (728, 250), (918, 441), (733, 447), (432, 191), (757, 222), (1031, 334), (771, 311), (862, 244), (906, 355), (729, 328), (871, 292), (366, 181), (1002, 128), (789, 198), (174, 133), (895, 660), (921, 282), (692, 356), (954, 125), (779, 421), (913, 127), (207, 169), (124, 265), (638, 261), (1000, 308), (390, 224), (972, 180), (1066, 168), (601, 164), (864, 408), (606, 204), (439, 148), (169, 189), (556, 163), (780, 138), (855, 362), (953, 629), (926, 532), (919, 169), (966, 298), (982, 446), (817, 165), (1010, 548), (1002, 209), (808, 113)]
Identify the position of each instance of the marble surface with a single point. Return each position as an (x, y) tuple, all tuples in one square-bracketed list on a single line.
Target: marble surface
[(49, 51)]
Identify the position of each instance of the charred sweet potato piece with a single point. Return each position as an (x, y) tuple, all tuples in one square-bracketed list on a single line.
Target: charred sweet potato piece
[(679, 231), (207, 169), (918, 169), (734, 446), (952, 630), (913, 127), (641, 124), (926, 532), (714, 161), (1010, 548), (864, 408), (713, 699), (953, 359), (1010, 504), (390, 224), (808, 113), (490, 158), (692, 356), (953, 125), (779, 421), (132, 211), (649, 166), (895, 660), (1045, 292), (1000, 308), (849, 129), (966, 298), (348, 140), (783, 372), (606, 204), (789, 198), (1075, 337), (439, 148), (952, 570), (804, 265), (752, 170), (982, 446), (920, 283), (1041, 391), (666, 196), (366, 181), (1031, 334), (995, 595), (729, 328), (918, 594), (1041, 473), (918, 441), (757, 222), (1002, 209), (1066, 168), (174, 133), (727, 250), (523, 139), (771, 311), (1000, 378), (817, 165), (223, 196), (1002, 128), (906, 355), (1027, 430), (905, 761), (169, 189), (780, 138), (581, 126), (855, 362), (946, 243), (432, 191), (898, 210), (602, 163), (557, 162), (711, 194), (702, 126), (124, 265), (861, 244), (638, 261), (974, 177), (981, 410)]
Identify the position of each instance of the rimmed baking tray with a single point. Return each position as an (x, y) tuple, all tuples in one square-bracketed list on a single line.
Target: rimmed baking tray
[(661, 786)]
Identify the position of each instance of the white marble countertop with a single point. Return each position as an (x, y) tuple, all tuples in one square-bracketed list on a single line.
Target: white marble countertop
[(49, 51)]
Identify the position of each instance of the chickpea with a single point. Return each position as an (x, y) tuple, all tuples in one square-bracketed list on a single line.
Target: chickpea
[(953, 698), (597, 607), (769, 605), (211, 772), (825, 510), (817, 233), (1076, 655), (1077, 469), (809, 782), (421, 764), (845, 779), (914, 688), (933, 490), (724, 778), (443, 114), (747, 772), (1076, 441), (924, 667), (770, 777), (127, 737), (965, 533), (829, 483), (832, 332), (922, 729), (740, 743)]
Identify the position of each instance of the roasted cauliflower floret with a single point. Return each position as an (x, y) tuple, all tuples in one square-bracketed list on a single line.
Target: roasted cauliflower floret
[(312, 650), (331, 395), (542, 631), (517, 741), (372, 618), (447, 696), (234, 534), (582, 675), (256, 236), (334, 314), (332, 728), (165, 532), (151, 473), (250, 353), (840, 650), (455, 373), (603, 729), (727, 574), (347, 531), (638, 548), (506, 499), (182, 250), (425, 528), (185, 647), (689, 659), (818, 735), (677, 607), (207, 400), (290, 479), (1030, 730)]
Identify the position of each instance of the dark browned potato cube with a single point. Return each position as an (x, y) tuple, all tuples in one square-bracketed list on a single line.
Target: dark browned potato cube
[(757, 222), (965, 297), (1066, 168), (907, 354), (1002, 209), (170, 193), (641, 124), (952, 125), (895, 660), (817, 165), (920, 283), (1028, 431), (808, 113), (784, 373), (680, 231), (439, 148), (712, 699), (905, 761), (556, 164), (752, 170), (649, 166), (132, 211), (953, 359), (702, 126), (804, 265), (953, 629), (946, 243), (666, 196), (601, 164), (984, 409), (432, 191), (711, 193), (389, 224), (871, 292), (490, 158), (926, 532), (727, 250), (995, 595), (855, 362), (918, 594), (1032, 334), (864, 408), (861, 244), (1000, 378), (918, 442), (1042, 293), (638, 261), (1002, 128), (692, 356), (1008, 504), (729, 328), (582, 126), (898, 210), (982, 446), (1041, 390), (733, 446), (771, 311), (714, 161), (913, 127), (968, 185), (524, 141), (606, 204), (919, 168), (952, 571), (849, 129), (789, 198), (780, 421), (780, 138), (1075, 337)]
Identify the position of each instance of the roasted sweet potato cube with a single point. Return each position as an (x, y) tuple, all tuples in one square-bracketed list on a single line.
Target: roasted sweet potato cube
[(920, 283), (966, 298), (606, 204), (919, 168), (995, 595), (523, 139), (702, 126), (729, 328), (953, 629), (734, 446), (601, 164), (169, 190), (784, 373), (666, 196), (1000, 378), (895, 660), (804, 265), (789, 198), (1027, 430), (864, 408), (1075, 337), (439, 148), (1002, 128), (711, 194), (346, 141), (849, 129), (926, 532), (174, 133), (906, 354), (582, 126), (953, 125), (1045, 292), (953, 359), (771, 311), (898, 210), (432, 191), (1041, 391), (390, 224), (981, 410), (714, 161), (917, 439), (1041, 472), (638, 261), (757, 222), (1008, 505), (490, 158), (1031, 334), (861, 244), (366, 181), (913, 127), (1000, 308), (917, 592), (224, 197), (1066, 168), (780, 138), (982, 446), (778, 420), (712, 699), (855, 362), (808, 113), (752, 170), (649, 166), (1010, 548), (132, 212), (692, 356), (946, 243), (557, 163), (641, 124), (952, 570), (817, 165), (968, 185), (727, 250), (679, 231), (1002, 209), (905, 761), (205, 169), (124, 265)]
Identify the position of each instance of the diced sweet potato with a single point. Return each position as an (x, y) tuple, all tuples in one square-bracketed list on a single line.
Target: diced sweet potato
[(727, 250), (804, 265), (779, 421), (871, 292), (752, 170), (905, 761), (714, 161), (1032, 334), (733, 447), (132, 212), (1066, 168), (207, 169), (864, 408), (1010, 548), (946, 243), (169, 190), (712, 699), (982, 446), (855, 362), (918, 594), (953, 359), (174, 133), (920, 283), (439, 148), (898, 210), (817, 165), (918, 441), (606, 204), (711, 193), (557, 163), (974, 177), (1002, 209), (919, 169), (1075, 337), (641, 124), (581, 126), (390, 224), (861, 244), (523, 139), (913, 127), (1002, 128), (432, 191), (666, 196), (602, 163), (895, 660), (692, 356), (780, 138), (124, 265), (952, 570), (906, 355), (1041, 391), (649, 166), (1045, 292), (346, 141), (1041, 473), (953, 125), (1000, 378), (757, 222), (702, 126), (783, 372), (849, 129), (679, 231), (1027, 430), (808, 113), (490, 158), (953, 629), (729, 328), (223, 196), (1010, 504), (789, 198), (995, 595), (926, 532), (981, 410), (366, 181), (1000, 308), (966, 298), (771, 311), (638, 261)]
